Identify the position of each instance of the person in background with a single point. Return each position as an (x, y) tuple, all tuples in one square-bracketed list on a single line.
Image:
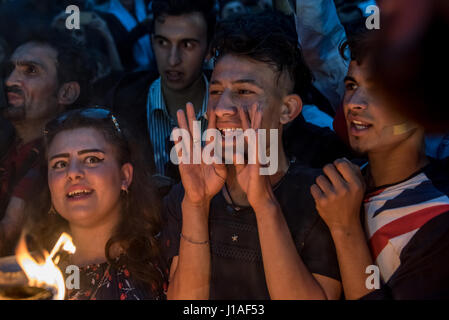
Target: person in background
[(181, 38), (99, 190), (231, 8), (45, 75), (96, 37), (130, 25)]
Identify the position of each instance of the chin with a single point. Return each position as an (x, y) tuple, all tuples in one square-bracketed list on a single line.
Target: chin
[(14, 113)]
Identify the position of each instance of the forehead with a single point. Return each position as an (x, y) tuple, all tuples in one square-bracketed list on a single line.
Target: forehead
[(78, 139), (191, 25), (234, 68), (40, 53), (234, 4)]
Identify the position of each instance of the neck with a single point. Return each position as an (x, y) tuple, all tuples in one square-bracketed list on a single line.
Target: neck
[(238, 195), (28, 132), (177, 99), (396, 164), (91, 243)]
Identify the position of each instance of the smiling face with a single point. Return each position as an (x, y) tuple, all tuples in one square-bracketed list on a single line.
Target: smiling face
[(240, 81), (180, 46), (372, 126), (85, 178), (32, 87)]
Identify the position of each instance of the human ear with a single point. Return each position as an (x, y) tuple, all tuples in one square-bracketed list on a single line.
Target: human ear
[(69, 93), (290, 109), (127, 175)]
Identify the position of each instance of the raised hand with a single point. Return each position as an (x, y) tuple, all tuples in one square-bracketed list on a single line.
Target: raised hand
[(256, 186), (339, 194), (201, 181)]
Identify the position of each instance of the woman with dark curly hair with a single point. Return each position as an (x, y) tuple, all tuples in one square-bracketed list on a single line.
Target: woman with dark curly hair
[(99, 190)]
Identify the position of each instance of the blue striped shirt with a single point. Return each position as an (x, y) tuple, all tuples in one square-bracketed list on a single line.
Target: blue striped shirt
[(160, 124)]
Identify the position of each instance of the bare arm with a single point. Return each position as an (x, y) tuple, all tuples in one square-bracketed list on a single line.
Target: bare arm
[(190, 271), (338, 196), (286, 274)]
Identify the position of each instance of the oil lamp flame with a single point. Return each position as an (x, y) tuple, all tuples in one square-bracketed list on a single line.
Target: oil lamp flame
[(46, 274)]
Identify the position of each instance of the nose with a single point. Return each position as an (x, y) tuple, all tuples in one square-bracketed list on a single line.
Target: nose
[(174, 56), (357, 101), (75, 171), (225, 106), (14, 79)]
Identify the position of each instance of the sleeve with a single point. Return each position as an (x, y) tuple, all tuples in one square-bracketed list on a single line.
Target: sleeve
[(172, 223), (321, 34), (318, 251), (424, 270), (25, 188)]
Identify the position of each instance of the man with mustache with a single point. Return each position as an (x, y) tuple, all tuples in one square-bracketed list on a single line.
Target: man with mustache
[(45, 75)]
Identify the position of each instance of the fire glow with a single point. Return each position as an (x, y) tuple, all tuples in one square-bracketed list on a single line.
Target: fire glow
[(47, 274)]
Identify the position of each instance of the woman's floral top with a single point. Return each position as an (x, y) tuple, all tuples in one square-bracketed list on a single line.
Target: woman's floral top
[(104, 282)]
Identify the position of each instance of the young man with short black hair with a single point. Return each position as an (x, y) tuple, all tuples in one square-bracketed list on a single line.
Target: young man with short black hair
[(404, 195), (181, 37), (232, 233)]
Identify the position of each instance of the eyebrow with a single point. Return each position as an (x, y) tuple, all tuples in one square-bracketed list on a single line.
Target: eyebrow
[(241, 81), (28, 63), (67, 155), (158, 36), (349, 78)]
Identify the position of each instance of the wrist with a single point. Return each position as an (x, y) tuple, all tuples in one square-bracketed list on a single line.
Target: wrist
[(267, 205), (354, 230)]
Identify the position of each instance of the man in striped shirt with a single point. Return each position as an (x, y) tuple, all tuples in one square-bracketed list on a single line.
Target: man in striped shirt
[(403, 236)]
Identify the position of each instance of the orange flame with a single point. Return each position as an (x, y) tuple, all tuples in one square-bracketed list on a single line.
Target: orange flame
[(47, 274)]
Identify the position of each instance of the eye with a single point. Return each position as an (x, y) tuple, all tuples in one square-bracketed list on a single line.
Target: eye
[(188, 44), (350, 86), (162, 42), (215, 92), (59, 164), (92, 160), (245, 92), (30, 70)]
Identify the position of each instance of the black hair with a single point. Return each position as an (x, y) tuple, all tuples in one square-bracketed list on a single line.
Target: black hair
[(140, 223), (179, 7), (268, 37), (359, 46), (73, 61)]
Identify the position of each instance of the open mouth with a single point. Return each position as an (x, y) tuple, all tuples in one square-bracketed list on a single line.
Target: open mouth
[(174, 75), (79, 194), (230, 131), (360, 125)]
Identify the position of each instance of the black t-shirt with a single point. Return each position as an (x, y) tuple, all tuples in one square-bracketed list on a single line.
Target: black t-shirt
[(236, 261)]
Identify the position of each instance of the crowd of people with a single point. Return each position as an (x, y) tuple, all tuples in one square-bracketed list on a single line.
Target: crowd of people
[(87, 117)]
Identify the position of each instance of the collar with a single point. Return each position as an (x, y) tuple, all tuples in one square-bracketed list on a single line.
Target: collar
[(155, 100)]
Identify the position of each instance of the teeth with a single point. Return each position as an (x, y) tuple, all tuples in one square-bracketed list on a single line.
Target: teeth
[(78, 193), (230, 129)]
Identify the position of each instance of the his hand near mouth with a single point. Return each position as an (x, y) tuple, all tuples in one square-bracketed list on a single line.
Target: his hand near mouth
[(339, 194), (201, 181), (256, 186)]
